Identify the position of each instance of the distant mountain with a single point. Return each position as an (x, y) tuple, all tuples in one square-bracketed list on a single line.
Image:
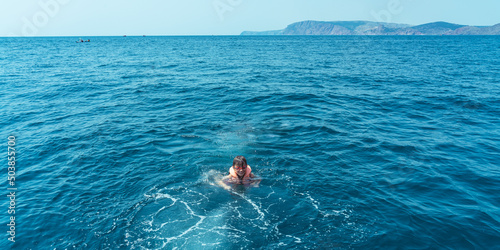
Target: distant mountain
[(377, 28), (262, 33), (437, 28)]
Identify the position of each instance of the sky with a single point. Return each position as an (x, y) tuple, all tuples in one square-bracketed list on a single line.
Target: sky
[(222, 17)]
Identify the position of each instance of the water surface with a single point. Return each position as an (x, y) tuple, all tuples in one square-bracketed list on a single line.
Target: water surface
[(361, 142)]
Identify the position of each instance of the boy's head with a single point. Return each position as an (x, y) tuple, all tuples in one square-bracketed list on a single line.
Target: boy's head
[(240, 165)]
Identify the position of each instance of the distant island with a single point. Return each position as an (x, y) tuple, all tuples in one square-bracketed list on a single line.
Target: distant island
[(377, 28)]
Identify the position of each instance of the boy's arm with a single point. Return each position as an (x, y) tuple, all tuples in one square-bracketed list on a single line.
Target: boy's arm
[(223, 184), (255, 180)]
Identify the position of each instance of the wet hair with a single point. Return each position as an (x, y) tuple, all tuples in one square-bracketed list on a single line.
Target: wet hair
[(240, 161)]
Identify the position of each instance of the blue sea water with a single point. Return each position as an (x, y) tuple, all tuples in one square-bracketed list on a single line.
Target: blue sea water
[(361, 142)]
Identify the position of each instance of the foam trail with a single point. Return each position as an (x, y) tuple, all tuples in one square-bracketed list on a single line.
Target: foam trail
[(202, 218), (261, 214)]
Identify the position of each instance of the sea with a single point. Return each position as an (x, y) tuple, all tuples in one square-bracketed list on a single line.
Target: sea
[(360, 142)]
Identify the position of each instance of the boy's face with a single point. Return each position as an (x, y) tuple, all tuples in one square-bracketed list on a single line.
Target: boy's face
[(240, 171)]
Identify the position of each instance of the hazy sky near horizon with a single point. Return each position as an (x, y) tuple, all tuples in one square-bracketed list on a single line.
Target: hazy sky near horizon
[(222, 17)]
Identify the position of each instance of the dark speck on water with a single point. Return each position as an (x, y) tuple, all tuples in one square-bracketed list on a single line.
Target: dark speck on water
[(361, 142)]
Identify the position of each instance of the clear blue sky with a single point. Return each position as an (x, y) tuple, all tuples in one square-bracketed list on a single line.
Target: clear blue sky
[(222, 17)]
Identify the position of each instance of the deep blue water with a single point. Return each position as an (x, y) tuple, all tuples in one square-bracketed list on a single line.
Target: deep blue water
[(361, 142)]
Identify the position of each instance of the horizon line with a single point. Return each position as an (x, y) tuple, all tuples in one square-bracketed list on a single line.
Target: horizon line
[(63, 36)]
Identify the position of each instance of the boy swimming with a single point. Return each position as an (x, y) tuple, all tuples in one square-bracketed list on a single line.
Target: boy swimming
[(240, 173)]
